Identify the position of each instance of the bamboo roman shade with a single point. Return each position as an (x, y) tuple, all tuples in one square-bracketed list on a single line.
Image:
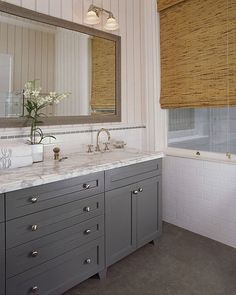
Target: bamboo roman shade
[(198, 53), (163, 4), (103, 74)]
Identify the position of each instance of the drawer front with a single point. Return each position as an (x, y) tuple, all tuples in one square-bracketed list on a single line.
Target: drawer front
[(29, 255), (2, 260), (37, 225), (1, 208), (60, 274), (31, 200), (127, 175)]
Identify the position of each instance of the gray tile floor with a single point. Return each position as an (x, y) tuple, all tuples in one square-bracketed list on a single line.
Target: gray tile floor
[(182, 263)]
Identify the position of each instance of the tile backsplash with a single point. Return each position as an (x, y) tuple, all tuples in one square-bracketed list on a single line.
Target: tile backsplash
[(75, 138)]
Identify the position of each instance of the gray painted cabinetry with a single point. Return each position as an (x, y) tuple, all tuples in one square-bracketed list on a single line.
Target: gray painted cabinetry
[(57, 230), (54, 231), (133, 211), (2, 247)]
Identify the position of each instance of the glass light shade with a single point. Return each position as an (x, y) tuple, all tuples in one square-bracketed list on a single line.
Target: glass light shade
[(111, 24), (92, 18)]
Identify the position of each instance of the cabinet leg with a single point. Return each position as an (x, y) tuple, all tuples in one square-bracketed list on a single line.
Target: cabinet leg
[(102, 274), (154, 242)]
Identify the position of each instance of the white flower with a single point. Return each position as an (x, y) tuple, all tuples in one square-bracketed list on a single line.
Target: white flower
[(53, 94), (35, 93)]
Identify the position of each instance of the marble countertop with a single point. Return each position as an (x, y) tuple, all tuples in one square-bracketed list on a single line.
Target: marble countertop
[(76, 165)]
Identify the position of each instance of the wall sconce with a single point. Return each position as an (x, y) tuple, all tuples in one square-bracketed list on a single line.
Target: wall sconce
[(93, 18)]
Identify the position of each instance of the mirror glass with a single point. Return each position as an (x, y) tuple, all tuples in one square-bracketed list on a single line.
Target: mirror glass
[(61, 60)]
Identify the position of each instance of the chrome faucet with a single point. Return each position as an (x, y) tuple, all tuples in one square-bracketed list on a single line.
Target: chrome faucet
[(98, 149)]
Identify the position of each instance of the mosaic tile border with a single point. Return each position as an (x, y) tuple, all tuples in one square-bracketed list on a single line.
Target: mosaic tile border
[(74, 132)]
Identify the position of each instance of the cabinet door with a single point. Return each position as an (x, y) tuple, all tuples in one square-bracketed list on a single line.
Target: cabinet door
[(2, 260), (149, 219), (120, 224)]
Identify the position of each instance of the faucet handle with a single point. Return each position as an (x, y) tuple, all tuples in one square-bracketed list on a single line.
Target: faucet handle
[(106, 146), (90, 147), (97, 148)]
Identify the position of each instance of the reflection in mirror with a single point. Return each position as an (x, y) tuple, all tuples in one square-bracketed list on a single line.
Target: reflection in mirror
[(63, 61)]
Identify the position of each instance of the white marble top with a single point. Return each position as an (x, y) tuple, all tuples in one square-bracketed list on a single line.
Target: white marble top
[(76, 165)]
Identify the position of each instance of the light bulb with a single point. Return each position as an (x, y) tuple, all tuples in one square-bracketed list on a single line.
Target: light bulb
[(92, 18), (111, 24)]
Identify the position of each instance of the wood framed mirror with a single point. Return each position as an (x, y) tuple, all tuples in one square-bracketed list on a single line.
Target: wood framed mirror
[(64, 57)]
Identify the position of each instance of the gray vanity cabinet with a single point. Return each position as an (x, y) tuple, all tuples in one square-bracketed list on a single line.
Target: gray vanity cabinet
[(133, 212), (120, 224), (54, 236), (54, 231), (148, 211), (2, 247), (2, 260)]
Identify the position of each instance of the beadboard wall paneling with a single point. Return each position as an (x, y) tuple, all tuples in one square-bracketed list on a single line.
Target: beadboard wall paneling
[(31, 47), (154, 116), (69, 47), (130, 17)]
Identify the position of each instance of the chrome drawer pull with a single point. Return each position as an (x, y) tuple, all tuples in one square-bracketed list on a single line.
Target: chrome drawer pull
[(34, 253), (35, 289), (86, 186), (135, 192), (34, 200), (88, 261), (34, 227), (87, 209), (87, 231), (140, 190)]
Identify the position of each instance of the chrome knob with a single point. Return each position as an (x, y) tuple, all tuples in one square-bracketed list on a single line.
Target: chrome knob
[(88, 261), (140, 190), (86, 186), (34, 253), (87, 231), (34, 200), (35, 289), (34, 227), (135, 192), (87, 209)]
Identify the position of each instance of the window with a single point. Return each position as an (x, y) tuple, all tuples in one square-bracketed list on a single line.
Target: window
[(209, 129)]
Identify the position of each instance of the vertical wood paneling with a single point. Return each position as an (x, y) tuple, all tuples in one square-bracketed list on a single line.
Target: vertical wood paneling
[(77, 11), (137, 64), (18, 57), (51, 62), (44, 79), (38, 55), (55, 8), (32, 49), (30, 4), (42, 6), (123, 32), (67, 9), (25, 45), (25, 54), (115, 10), (130, 59), (155, 117)]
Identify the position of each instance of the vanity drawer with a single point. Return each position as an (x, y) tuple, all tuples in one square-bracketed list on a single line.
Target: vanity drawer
[(1, 208), (35, 199), (29, 255), (60, 274), (123, 176), (37, 225)]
